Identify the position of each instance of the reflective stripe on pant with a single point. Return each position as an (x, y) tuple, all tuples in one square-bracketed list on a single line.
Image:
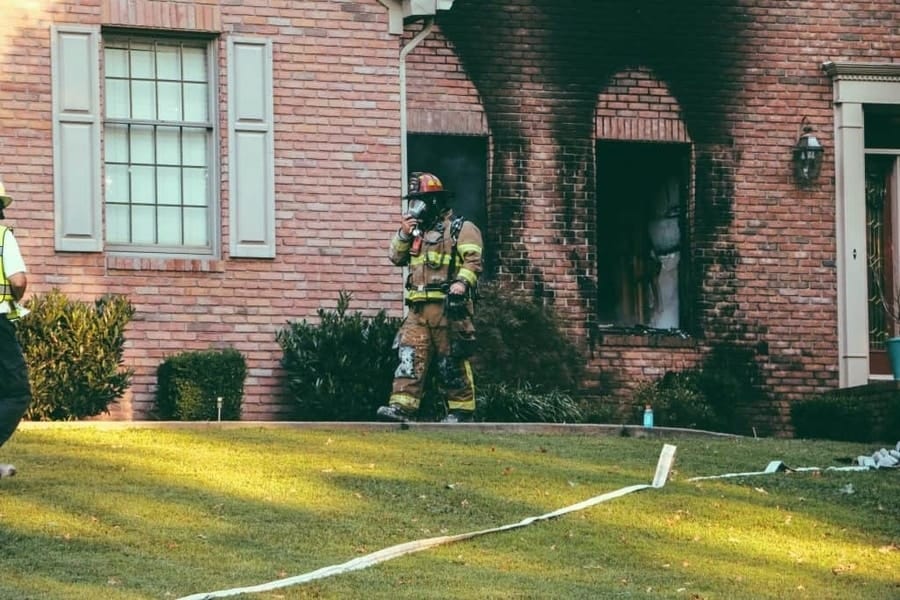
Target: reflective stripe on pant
[(423, 343), (15, 392)]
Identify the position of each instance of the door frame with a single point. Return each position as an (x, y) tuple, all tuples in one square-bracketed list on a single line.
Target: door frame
[(854, 84)]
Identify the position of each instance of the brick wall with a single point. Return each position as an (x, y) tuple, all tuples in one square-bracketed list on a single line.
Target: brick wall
[(440, 96), (636, 106), (734, 78), (337, 183)]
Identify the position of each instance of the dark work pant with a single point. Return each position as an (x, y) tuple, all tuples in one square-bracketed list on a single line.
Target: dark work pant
[(15, 393)]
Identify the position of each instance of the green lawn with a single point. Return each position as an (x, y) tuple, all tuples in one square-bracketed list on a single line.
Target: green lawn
[(146, 513)]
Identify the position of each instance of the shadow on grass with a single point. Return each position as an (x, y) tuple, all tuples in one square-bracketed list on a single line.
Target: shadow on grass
[(142, 514)]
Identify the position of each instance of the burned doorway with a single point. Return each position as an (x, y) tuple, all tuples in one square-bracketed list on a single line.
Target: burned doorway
[(460, 162), (882, 171), (642, 194)]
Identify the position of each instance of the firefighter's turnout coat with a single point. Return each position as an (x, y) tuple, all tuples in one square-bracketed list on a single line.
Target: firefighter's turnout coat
[(433, 334)]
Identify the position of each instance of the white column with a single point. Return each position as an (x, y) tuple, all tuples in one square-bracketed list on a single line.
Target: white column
[(852, 268)]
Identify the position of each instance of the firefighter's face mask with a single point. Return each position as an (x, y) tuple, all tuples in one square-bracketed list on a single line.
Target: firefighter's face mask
[(427, 209), (417, 208)]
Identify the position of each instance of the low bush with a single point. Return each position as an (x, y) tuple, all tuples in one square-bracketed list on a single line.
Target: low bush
[(729, 379), (341, 368), (521, 342), (525, 367), (846, 417), (190, 383), (503, 403), (74, 355), (715, 396), (602, 409), (677, 401)]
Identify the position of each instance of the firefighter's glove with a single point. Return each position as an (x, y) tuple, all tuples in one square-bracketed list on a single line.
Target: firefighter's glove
[(456, 305)]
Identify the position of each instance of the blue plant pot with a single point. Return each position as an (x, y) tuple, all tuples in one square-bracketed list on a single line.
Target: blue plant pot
[(893, 350)]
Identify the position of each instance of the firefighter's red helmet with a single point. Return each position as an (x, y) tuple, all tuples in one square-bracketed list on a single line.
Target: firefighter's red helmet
[(421, 184)]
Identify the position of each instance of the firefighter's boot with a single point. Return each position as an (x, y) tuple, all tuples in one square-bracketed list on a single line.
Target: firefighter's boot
[(392, 412)]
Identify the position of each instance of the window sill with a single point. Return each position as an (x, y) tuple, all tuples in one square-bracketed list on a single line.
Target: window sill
[(184, 265), (644, 338)]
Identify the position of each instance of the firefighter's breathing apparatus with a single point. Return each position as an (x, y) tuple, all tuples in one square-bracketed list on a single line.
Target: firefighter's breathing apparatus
[(417, 210)]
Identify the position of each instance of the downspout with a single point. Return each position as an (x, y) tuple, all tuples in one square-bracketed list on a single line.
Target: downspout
[(404, 159), (398, 12)]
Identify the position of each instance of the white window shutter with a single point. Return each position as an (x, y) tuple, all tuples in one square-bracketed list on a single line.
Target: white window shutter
[(75, 64), (251, 153)]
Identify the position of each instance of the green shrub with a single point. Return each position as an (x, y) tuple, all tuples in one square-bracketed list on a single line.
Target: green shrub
[(74, 354), (845, 418), (601, 409), (341, 368), (729, 380), (677, 401), (521, 342), (189, 384), (503, 403), (715, 396)]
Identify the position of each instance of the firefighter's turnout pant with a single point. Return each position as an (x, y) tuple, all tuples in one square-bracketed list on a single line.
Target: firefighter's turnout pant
[(428, 339)]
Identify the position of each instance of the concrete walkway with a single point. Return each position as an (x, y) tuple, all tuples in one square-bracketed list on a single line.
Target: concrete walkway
[(547, 428)]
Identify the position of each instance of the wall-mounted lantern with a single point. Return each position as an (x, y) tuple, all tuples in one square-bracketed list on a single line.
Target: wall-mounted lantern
[(808, 154)]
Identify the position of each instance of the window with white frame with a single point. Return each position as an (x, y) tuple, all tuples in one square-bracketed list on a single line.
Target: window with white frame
[(158, 144), (154, 185)]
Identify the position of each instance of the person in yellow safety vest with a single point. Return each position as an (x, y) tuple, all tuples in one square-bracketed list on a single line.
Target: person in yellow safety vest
[(443, 256), (15, 391)]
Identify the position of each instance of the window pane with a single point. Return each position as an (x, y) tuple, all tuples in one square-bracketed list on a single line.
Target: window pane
[(115, 143), (118, 99), (143, 223), (115, 62), (195, 187), (170, 226), (142, 62), (195, 102), (195, 227), (194, 147), (168, 146), (143, 185), (194, 64), (117, 183), (168, 180), (142, 144), (168, 62), (117, 223), (143, 105), (169, 101), (881, 126)]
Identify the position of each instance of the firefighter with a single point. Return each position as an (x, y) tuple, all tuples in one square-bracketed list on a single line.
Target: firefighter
[(15, 391), (443, 254)]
